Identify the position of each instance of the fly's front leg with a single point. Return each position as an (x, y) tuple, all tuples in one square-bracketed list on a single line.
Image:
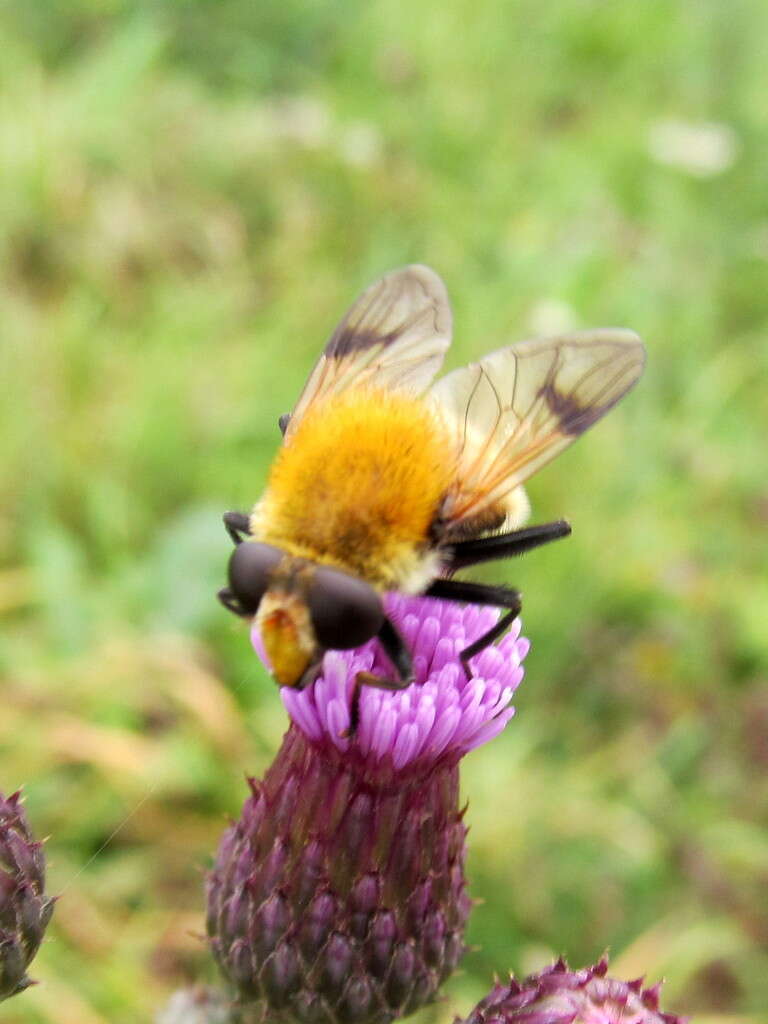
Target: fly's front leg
[(237, 525), (483, 594), (310, 674), (398, 653), (231, 603)]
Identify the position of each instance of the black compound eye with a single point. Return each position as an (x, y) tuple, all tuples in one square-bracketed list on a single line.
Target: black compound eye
[(250, 566), (346, 611)]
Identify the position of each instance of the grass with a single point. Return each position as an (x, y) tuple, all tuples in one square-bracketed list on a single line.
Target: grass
[(191, 194)]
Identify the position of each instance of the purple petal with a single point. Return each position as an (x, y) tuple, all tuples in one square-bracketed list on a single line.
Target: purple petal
[(384, 731), (442, 712), (490, 729), (405, 745), (298, 707)]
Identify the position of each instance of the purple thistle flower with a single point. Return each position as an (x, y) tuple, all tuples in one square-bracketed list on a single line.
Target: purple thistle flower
[(442, 714), (340, 892), (558, 995), (24, 909)]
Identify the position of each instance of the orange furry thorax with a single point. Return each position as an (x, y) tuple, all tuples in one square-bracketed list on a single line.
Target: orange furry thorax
[(358, 485)]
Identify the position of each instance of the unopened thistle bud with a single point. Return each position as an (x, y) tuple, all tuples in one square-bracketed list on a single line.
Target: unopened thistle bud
[(24, 910), (558, 995), (340, 893)]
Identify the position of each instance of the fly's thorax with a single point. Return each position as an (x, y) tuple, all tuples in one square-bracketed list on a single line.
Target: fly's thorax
[(256, 520), (416, 569), (359, 485)]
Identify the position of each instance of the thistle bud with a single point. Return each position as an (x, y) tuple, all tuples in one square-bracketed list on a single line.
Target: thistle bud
[(558, 995), (24, 910), (340, 893)]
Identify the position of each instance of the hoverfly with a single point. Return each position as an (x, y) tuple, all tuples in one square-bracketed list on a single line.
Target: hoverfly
[(386, 481)]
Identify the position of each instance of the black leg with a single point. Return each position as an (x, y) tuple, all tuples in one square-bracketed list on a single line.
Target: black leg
[(503, 545), (231, 603), (495, 594), (236, 523), (310, 675), (398, 653), (486, 640), (479, 593), (283, 422)]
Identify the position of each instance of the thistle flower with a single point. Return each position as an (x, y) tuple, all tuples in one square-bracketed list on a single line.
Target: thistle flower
[(340, 893), (558, 995), (24, 911)]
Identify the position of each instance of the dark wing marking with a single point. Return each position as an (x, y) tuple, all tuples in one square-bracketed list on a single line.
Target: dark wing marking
[(519, 407), (393, 337)]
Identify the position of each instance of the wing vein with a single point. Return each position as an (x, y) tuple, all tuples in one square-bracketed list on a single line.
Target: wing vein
[(557, 389)]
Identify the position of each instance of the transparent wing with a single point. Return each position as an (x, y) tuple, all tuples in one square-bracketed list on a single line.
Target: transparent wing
[(520, 406), (393, 337)]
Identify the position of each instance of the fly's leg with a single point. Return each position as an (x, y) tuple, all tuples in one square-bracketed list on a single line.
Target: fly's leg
[(502, 545), (398, 653), (483, 594), (237, 525), (310, 674), (231, 603)]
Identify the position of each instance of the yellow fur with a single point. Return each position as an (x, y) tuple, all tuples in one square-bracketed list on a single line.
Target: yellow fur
[(358, 486)]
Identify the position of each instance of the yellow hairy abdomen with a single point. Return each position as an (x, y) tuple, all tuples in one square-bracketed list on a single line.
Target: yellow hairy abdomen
[(358, 485)]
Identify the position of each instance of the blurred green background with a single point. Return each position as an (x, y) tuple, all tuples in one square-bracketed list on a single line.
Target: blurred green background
[(191, 195)]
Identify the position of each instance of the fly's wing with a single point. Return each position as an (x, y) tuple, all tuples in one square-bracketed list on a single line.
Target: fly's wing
[(520, 406), (393, 337)]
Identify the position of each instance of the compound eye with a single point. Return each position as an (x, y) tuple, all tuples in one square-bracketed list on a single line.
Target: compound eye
[(250, 567), (346, 611)]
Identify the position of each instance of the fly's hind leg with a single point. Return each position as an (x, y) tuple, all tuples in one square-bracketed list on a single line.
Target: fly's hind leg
[(483, 594), (237, 525), (461, 553), (398, 653)]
